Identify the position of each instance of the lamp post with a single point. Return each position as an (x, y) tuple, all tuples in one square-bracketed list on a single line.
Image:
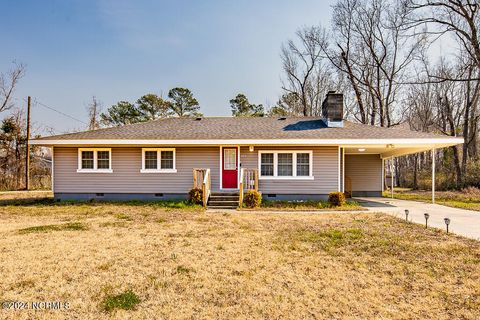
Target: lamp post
[(426, 215), (406, 214), (447, 222)]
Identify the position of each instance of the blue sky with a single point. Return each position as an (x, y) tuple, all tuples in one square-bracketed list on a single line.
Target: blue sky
[(120, 50)]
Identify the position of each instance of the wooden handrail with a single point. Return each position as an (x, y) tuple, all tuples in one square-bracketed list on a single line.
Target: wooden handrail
[(249, 178), (206, 187), (240, 197), (202, 180)]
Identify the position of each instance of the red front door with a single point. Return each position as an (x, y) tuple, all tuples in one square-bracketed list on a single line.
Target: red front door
[(229, 168)]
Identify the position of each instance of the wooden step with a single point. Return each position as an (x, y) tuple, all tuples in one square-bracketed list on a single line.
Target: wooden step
[(223, 198), (224, 194), (215, 203)]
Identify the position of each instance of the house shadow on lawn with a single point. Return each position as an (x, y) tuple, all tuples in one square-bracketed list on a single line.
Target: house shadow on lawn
[(374, 204), (27, 201)]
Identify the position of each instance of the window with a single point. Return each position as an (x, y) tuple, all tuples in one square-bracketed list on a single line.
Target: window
[(166, 159), (95, 160), (87, 160), (158, 160), (151, 159), (230, 159), (285, 164), (303, 164), (266, 168), (103, 160)]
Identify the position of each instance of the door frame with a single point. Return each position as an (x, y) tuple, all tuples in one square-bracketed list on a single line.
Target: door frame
[(221, 166)]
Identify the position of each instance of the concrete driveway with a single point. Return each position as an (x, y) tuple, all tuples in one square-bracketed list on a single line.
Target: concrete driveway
[(462, 222)]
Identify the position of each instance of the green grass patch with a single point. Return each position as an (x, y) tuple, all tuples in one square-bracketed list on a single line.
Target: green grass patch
[(329, 237), (309, 205), (71, 226), (327, 240), (183, 270), (126, 301), (123, 216)]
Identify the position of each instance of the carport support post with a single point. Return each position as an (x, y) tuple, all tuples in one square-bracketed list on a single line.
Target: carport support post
[(391, 174), (433, 175)]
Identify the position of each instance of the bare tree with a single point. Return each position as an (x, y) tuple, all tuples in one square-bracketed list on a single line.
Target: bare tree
[(374, 50), (94, 111), (307, 74), (8, 82)]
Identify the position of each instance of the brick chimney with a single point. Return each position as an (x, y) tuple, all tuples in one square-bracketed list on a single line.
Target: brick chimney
[(332, 109)]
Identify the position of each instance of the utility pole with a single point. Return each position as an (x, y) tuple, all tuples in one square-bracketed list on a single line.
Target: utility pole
[(27, 157)]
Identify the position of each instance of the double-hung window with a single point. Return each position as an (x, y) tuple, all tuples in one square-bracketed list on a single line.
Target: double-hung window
[(97, 160), (285, 164), (158, 160)]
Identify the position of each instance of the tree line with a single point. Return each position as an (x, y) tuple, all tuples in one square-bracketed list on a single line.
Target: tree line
[(383, 55), (180, 103)]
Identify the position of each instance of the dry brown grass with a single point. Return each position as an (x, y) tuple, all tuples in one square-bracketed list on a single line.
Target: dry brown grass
[(188, 264)]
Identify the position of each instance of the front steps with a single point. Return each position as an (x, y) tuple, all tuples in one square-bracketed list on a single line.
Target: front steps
[(223, 200)]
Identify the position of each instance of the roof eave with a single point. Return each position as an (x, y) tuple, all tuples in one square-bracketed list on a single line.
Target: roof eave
[(426, 142)]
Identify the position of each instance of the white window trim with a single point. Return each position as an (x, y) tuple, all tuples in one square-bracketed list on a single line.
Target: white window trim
[(159, 154), (95, 164), (294, 165)]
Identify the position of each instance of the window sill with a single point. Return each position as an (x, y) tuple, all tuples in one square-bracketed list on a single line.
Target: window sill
[(286, 178), (158, 171), (94, 171)]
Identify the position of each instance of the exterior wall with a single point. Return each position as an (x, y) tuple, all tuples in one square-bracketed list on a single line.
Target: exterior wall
[(127, 178), (365, 171), (325, 172)]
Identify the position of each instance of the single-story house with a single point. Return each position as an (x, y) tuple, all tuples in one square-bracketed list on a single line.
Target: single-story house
[(282, 157)]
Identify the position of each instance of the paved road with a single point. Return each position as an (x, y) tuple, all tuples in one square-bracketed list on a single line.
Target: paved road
[(463, 222)]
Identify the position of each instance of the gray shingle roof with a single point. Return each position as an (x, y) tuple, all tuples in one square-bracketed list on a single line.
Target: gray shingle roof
[(212, 128)]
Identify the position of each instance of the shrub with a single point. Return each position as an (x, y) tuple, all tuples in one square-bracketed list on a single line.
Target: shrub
[(336, 199), (252, 199), (195, 196)]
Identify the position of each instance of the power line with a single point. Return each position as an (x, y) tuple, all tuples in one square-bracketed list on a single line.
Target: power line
[(57, 111)]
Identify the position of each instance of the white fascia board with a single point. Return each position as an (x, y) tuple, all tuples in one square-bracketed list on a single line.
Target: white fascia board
[(246, 142)]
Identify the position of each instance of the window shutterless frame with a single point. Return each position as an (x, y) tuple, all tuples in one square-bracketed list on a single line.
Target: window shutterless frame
[(294, 165), (159, 169), (95, 168)]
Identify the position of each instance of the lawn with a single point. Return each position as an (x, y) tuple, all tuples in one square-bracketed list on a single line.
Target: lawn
[(465, 199), (307, 205), (122, 260)]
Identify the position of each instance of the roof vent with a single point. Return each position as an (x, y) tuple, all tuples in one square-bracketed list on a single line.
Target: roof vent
[(198, 118), (282, 118)]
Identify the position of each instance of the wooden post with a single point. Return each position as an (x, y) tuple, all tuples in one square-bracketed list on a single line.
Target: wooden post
[(256, 179), (204, 195), (391, 174), (433, 175), (194, 178), (240, 193), (27, 156)]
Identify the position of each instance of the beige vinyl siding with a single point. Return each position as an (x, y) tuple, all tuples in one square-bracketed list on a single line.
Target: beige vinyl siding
[(325, 172), (364, 172), (126, 176)]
